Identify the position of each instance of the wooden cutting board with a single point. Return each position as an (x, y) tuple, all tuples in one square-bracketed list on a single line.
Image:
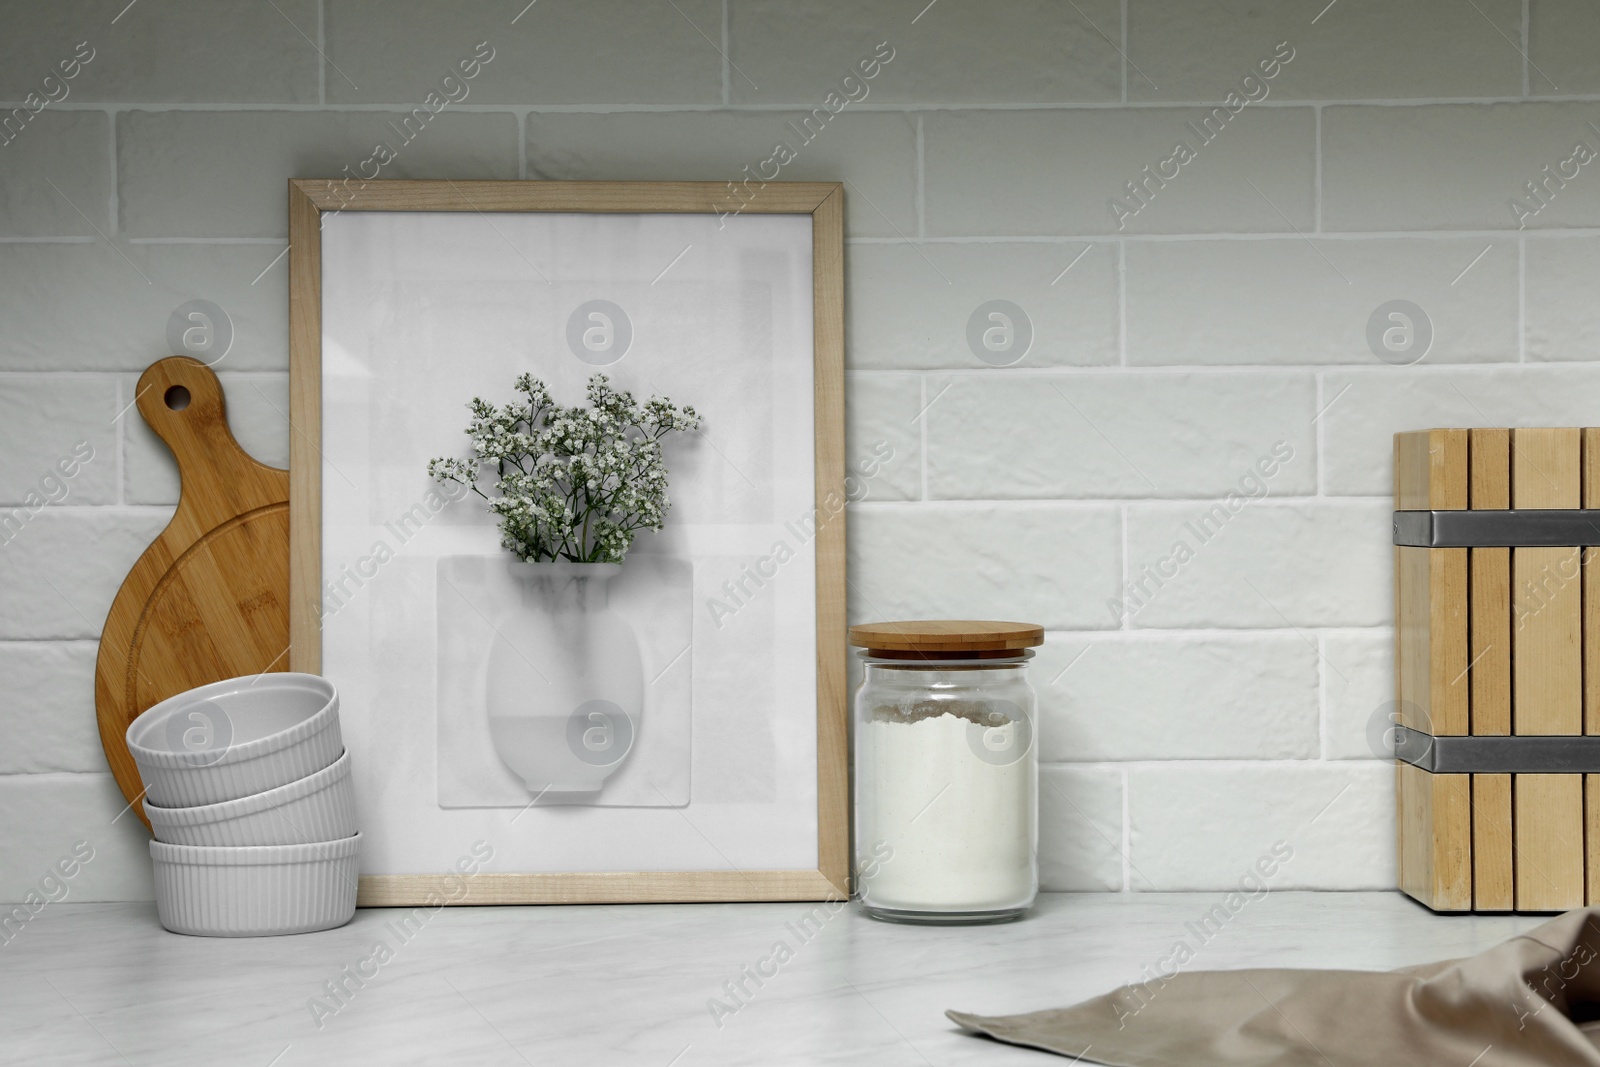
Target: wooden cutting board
[(209, 599)]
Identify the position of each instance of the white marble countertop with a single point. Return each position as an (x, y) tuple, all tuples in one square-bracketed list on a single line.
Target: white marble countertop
[(103, 983)]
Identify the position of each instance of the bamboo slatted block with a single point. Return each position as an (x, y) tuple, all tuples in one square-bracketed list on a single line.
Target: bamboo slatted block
[(1497, 672)]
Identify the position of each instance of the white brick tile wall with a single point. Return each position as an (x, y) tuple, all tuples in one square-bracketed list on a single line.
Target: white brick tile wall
[(136, 289), (61, 569), (1358, 690), (47, 814), (59, 437), (1080, 828), (51, 724), (1267, 564), (1061, 169), (876, 153), (1053, 564), (178, 51), (1563, 273), (1227, 704), (910, 305), (1360, 49), (1116, 435), (796, 53), (258, 413), (1364, 409), (883, 436), (1559, 35), (646, 53), (1204, 826), (1427, 168), (206, 174), (1215, 696), (55, 174), (1304, 301)]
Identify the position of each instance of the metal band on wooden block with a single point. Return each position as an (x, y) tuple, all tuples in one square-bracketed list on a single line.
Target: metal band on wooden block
[(1497, 667), (1527, 754), (1533, 528)]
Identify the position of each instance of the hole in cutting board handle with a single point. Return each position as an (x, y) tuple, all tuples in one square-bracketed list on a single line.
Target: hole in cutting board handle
[(176, 398)]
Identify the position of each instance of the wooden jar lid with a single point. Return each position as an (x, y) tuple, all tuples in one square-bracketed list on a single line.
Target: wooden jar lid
[(946, 639)]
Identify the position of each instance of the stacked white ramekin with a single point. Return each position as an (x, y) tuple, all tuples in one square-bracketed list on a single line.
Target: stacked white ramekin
[(247, 786)]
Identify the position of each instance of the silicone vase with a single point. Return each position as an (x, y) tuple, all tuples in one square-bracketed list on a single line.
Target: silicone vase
[(566, 682)]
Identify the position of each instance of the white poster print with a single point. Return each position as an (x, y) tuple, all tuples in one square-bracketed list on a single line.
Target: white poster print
[(582, 717)]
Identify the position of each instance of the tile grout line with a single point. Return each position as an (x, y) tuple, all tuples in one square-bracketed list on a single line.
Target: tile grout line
[(1126, 622), (1122, 302), (1317, 439), (1316, 169), (116, 214), (922, 432), (1460, 233), (1127, 833), (121, 449), (1522, 298), (922, 199), (322, 54), (522, 144), (1267, 371), (1106, 503), (1525, 60), (1124, 52), (1221, 236), (798, 104), (727, 50), (1322, 699), (274, 242)]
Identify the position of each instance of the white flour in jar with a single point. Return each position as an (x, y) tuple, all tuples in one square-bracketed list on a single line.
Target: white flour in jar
[(961, 825)]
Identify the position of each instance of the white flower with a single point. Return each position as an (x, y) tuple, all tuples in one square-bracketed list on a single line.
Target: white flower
[(571, 483)]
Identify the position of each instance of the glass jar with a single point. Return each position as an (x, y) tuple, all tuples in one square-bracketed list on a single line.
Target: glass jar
[(946, 771)]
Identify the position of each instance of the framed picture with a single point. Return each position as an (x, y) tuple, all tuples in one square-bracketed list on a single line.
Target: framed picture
[(626, 681)]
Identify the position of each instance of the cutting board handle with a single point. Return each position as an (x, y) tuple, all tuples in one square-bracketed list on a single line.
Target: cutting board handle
[(181, 400)]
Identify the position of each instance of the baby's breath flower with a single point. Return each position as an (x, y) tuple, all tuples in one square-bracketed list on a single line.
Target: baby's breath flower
[(571, 483)]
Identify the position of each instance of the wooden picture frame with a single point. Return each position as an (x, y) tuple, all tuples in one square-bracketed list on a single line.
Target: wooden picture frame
[(309, 202)]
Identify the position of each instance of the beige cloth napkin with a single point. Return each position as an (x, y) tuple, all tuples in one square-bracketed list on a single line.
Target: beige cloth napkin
[(1533, 1001)]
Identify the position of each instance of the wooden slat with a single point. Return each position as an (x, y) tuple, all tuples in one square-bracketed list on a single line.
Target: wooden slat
[(1591, 827), (1547, 674), (1492, 871), (1435, 837), (648, 887), (305, 440), (711, 198), (1490, 618), (1591, 665), (1431, 472), (1489, 636), (1432, 686), (1546, 594), (1431, 639), (833, 730), (1549, 831)]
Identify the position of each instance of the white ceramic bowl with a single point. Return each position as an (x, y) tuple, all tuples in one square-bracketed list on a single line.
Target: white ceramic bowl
[(234, 738), (319, 807), (256, 892)]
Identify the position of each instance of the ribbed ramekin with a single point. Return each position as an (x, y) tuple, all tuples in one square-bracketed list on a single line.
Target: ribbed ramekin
[(319, 807), (255, 734), (256, 892)]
